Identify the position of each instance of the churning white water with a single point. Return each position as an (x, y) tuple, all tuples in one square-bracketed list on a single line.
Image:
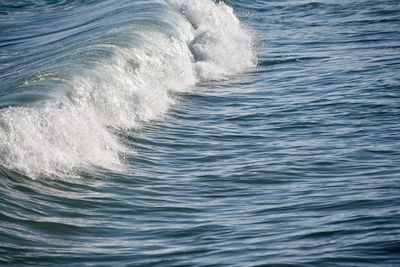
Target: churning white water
[(144, 63)]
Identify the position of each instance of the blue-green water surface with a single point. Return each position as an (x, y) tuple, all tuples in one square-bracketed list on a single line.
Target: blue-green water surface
[(293, 162)]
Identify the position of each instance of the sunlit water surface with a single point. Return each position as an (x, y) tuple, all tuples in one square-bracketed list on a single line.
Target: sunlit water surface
[(141, 133)]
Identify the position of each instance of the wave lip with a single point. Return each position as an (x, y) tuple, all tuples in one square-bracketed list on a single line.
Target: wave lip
[(126, 79), (222, 46)]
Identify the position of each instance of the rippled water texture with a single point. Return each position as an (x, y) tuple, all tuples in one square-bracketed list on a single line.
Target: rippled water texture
[(154, 133)]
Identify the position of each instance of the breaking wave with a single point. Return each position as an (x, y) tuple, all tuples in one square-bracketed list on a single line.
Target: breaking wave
[(81, 84)]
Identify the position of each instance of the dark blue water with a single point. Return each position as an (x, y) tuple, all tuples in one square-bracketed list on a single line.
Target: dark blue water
[(147, 133)]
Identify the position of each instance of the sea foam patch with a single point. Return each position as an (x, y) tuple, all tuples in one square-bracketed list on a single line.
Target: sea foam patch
[(222, 46)]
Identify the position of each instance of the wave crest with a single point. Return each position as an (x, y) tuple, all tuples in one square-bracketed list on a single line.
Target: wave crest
[(204, 41)]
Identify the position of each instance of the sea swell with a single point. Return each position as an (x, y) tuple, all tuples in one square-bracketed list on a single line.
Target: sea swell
[(99, 77)]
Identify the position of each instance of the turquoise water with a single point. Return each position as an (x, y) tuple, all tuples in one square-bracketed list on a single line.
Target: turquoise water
[(154, 133)]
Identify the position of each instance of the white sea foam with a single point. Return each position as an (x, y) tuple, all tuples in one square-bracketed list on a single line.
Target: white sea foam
[(121, 92), (222, 46), (57, 139)]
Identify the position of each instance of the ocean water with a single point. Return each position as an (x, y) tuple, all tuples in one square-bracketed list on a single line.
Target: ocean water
[(199, 133)]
